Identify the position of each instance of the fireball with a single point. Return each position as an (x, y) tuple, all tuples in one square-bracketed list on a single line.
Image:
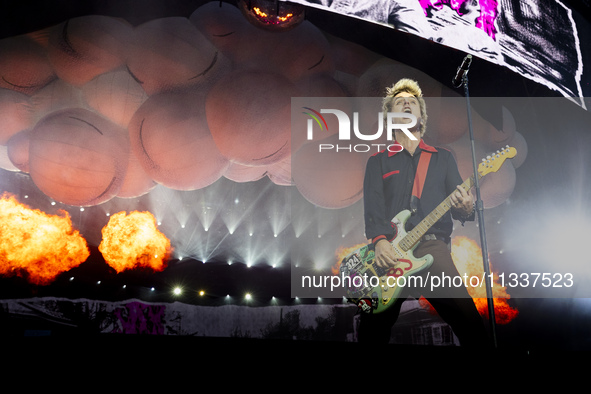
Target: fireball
[(36, 245), (133, 241), (467, 257)]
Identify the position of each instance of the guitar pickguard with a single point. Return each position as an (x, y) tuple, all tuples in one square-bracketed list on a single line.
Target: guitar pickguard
[(374, 288)]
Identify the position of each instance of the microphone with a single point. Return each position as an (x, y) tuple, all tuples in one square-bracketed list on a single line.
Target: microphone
[(462, 70)]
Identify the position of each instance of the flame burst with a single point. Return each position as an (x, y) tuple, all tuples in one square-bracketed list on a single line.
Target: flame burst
[(36, 245), (133, 241), (467, 257)]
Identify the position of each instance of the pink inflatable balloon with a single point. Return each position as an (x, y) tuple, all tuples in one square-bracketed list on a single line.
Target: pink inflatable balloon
[(170, 53), (56, 96), (24, 66), (18, 150), (136, 182), (497, 187), (84, 47), (15, 114), (170, 137), (115, 95), (249, 117), (351, 58), (241, 173), (226, 28), (78, 157), (301, 52), (500, 138), (280, 172), (329, 178), (5, 161), (462, 152)]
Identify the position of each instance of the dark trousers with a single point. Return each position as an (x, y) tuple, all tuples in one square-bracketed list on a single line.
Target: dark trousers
[(453, 304)]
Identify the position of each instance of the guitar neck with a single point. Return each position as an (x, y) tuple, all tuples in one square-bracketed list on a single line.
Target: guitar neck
[(415, 235)]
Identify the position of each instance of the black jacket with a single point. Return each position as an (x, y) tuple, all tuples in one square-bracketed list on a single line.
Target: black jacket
[(388, 184)]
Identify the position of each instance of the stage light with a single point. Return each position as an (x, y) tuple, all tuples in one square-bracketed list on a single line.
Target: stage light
[(177, 291), (98, 282), (201, 293), (53, 203), (82, 209), (247, 296), (152, 289), (272, 15), (71, 278)]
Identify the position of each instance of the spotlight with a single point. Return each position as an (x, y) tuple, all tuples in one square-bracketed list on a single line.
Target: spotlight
[(177, 291), (248, 296), (201, 293), (273, 15)]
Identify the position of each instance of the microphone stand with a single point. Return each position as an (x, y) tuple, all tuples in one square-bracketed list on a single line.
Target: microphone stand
[(480, 212)]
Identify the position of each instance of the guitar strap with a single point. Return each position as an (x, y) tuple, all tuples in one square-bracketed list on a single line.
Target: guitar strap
[(419, 182)]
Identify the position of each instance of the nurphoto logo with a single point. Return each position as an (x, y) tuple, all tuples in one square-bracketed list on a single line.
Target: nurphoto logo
[(344, 133)]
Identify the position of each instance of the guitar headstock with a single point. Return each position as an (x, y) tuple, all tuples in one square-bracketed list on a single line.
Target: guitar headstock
[(493, 162)]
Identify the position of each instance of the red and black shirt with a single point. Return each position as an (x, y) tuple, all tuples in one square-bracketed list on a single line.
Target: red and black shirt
[(388, 184)]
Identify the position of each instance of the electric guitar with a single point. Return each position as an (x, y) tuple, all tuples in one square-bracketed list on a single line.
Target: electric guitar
[(374, 289)]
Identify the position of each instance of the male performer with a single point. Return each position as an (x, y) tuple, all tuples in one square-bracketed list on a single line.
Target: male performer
[(388, 189)]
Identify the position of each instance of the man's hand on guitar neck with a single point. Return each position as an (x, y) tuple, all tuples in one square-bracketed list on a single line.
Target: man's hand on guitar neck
[(385, 256), (462, 201)]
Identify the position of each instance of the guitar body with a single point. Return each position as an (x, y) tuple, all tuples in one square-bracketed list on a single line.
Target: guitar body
[(375, 289)]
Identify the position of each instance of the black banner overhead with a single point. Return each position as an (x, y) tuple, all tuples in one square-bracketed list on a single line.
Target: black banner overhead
[(540, 39)]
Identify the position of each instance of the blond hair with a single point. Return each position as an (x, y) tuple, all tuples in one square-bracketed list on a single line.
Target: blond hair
[(409, 86)]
